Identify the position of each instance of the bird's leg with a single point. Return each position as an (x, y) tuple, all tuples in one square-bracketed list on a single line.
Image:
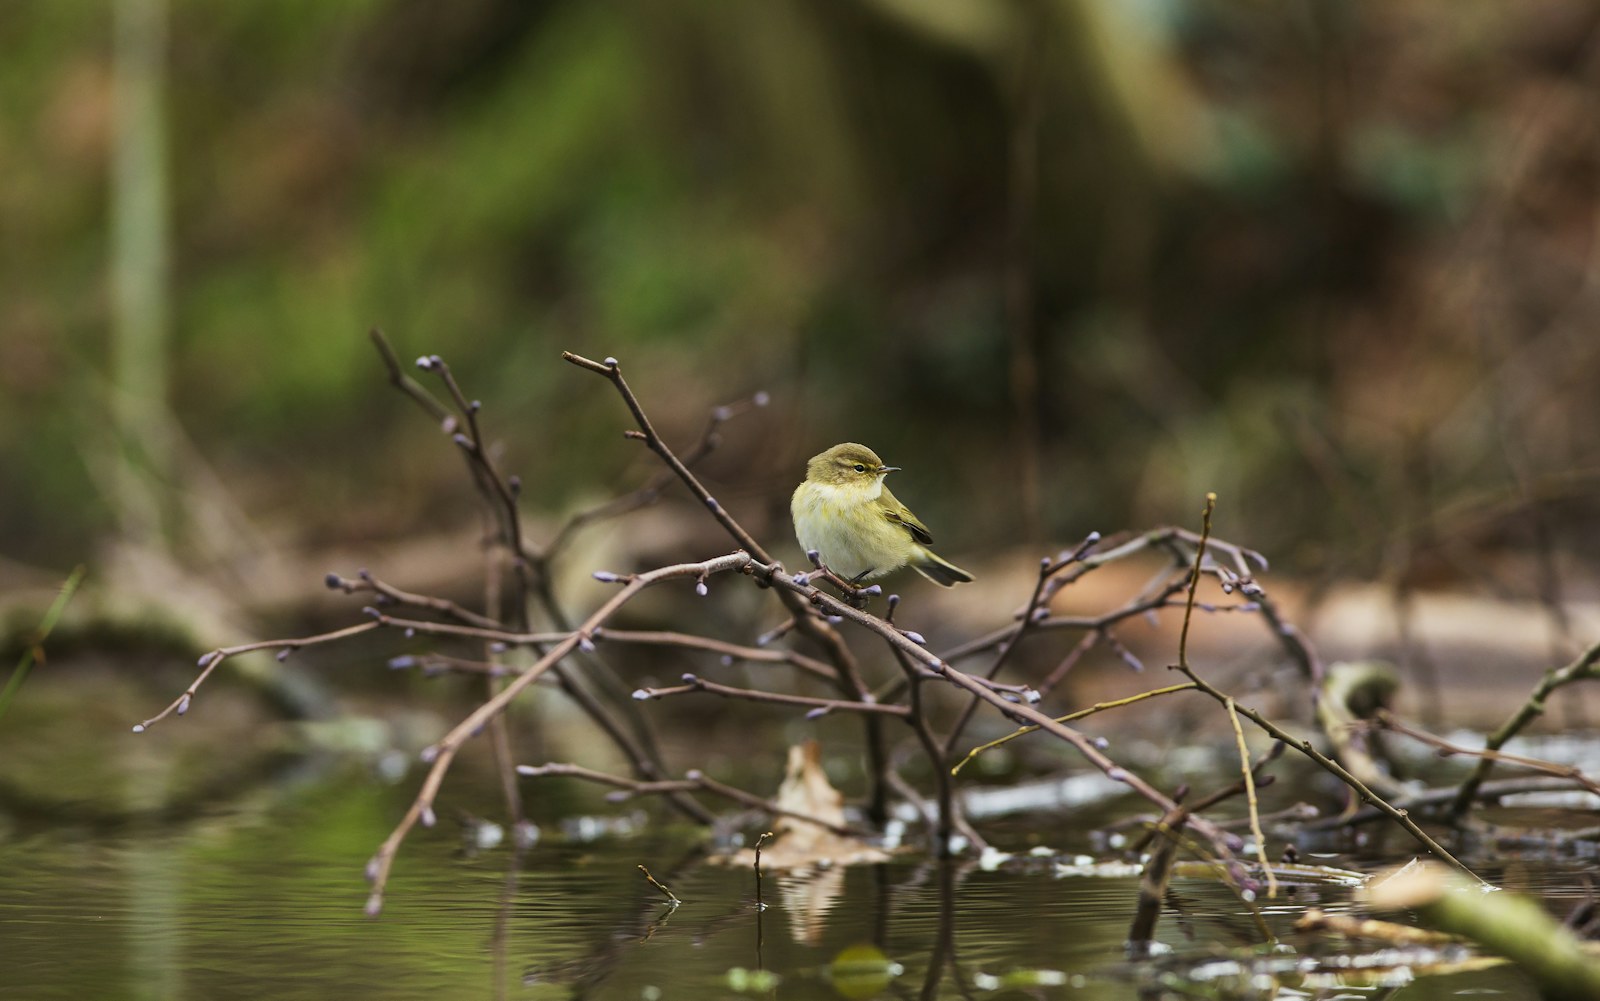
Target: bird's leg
[(851, 589), (856, 593)]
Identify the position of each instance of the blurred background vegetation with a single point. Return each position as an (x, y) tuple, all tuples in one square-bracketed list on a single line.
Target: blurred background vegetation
[(1072, 263)]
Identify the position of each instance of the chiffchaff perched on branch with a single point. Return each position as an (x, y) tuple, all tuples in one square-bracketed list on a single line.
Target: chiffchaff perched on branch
[(844, 513)]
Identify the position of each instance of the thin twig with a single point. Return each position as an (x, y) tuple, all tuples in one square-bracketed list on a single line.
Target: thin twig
[(1581, 669), (818, 707), (1071, 717), (1305, 747), (692, 780), (211, 661), (442, 752), (1253, 807)]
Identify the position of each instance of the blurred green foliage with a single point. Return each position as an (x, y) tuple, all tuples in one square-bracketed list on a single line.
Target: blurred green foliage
[(1222, 239)]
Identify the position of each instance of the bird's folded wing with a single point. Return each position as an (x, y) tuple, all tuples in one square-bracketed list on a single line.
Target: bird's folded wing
[(917, 529)]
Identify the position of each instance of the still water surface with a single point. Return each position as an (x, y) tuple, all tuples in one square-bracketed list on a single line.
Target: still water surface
[(266, 901)]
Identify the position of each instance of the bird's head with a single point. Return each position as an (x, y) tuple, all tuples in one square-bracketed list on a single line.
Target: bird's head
[(848, 465)]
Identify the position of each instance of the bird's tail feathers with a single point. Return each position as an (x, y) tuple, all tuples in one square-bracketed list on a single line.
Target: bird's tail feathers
[(940, 571)]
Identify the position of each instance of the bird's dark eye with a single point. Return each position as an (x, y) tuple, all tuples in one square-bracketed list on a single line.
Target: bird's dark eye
[(860, 468)]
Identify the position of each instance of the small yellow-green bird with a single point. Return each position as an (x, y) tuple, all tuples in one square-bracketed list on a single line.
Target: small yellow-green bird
[(844, 513)]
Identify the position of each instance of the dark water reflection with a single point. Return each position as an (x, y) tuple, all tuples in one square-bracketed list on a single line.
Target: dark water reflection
[(267, 903)]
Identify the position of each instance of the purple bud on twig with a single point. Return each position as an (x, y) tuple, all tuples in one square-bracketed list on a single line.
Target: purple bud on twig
[(428, 754), (138, 728), (206, 659), (802, 579), (461, 439), (1227, 588), (370, 612), (1031, 695), (410, 633), (436, 361), (374, 905), (610, 362), (449, 423), (914, 637), (871, 592), (425, 363), (1117, 774), (475, 406), (1101, 743), (727, 660), (372, 868), (642, 695), (1250, 606), (427, 818), (586, 644), (497, 647), (833, 620), (711, 502), (761, 399), (605, 576), (818, 712), (721, 413), (694, 775), (402, 663), (183, 704), (701, 589), (815, 558), (333, 582), (1044, 562), (283, 654), (894, 599)]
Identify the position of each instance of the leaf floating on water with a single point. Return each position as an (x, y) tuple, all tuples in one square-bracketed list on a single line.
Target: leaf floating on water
[(862, 971)]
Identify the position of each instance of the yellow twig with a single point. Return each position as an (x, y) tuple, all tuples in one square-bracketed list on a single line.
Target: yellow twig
[(1250, 798), (673, 900), (1069, 717)]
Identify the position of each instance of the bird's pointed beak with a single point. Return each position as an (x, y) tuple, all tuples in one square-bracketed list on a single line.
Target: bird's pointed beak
[(888, 469)]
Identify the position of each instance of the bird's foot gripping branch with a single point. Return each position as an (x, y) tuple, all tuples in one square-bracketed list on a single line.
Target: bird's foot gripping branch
[(873, 667)]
